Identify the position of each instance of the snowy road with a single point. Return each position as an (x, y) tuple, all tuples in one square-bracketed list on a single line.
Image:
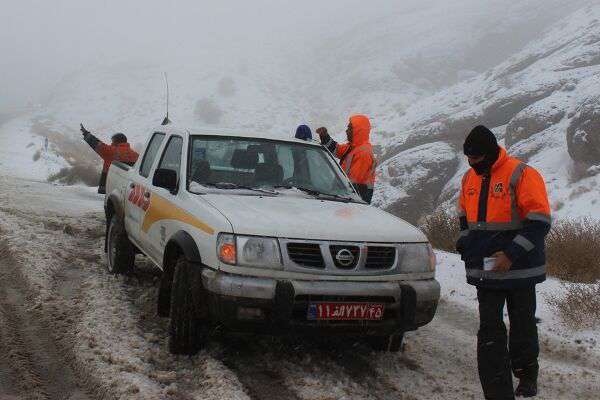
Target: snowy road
[(61, 312)]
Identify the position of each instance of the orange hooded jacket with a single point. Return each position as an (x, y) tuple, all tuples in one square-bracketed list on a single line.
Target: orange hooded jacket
[(356, 157)]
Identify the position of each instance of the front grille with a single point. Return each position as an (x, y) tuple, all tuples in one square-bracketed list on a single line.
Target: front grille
[(379, 257), (306, 254), (345, 257), (344, 299)]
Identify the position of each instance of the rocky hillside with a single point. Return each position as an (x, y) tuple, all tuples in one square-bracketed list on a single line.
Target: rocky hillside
[(543, 103)]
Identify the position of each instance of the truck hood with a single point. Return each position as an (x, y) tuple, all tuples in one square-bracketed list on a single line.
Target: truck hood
[(312, 219)]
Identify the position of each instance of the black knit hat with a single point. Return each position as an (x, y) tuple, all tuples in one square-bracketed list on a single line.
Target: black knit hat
[(480, 142), (119, 138)]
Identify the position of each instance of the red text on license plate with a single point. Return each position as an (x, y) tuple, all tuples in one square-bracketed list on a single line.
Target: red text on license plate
[(345, 311)]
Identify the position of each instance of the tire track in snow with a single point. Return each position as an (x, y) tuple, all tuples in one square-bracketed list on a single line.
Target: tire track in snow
[(261, 382), (37, 364)]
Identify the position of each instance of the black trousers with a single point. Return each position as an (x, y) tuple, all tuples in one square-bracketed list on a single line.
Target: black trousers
[(365, 193), (495, 360), (102, 183)]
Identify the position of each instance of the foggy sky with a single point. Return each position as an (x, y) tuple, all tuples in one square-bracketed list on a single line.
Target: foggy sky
[(42, 41)]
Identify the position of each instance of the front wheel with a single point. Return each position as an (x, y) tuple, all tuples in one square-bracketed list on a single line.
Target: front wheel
[(188, 326), (391, 343), (120, 251)]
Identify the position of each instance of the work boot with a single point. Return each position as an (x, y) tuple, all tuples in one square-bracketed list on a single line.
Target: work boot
[(526, 388)]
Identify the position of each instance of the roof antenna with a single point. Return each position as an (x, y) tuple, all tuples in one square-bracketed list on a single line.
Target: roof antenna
[(167, 121)]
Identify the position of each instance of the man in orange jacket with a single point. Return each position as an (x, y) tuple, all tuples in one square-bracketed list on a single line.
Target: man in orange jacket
[(504, 216), (118, 150), (356, 156)]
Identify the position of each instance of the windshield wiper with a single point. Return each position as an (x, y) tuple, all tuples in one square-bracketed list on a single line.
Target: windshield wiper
[(229, 185), (316, 193)]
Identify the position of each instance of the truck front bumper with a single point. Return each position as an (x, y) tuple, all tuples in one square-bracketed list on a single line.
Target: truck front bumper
[(255, 304)]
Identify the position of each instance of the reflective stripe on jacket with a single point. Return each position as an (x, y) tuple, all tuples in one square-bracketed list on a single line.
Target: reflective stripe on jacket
[(507, 211)]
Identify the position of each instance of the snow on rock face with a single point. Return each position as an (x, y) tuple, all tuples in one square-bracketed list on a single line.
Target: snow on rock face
[(545, 90), (421, 172), (529, 122), (583, 134)]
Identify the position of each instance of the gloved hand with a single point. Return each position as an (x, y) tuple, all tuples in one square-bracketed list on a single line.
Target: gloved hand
[(84, 131), (322, 131)]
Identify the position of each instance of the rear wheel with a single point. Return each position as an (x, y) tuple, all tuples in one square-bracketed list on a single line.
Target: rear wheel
[(391, 343), (188, 326), (120, 251)]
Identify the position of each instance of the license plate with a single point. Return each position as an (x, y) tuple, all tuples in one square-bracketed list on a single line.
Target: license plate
[(345, 311)]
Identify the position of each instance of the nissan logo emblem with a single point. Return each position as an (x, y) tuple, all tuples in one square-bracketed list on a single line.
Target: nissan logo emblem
[(344, 257)]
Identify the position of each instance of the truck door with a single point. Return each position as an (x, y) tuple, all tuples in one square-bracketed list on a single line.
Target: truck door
[(138, 188), (156, 228)]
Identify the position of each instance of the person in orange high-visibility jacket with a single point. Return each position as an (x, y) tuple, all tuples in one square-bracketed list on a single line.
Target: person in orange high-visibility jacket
[(118, 150), (356, 156), (504, 217)]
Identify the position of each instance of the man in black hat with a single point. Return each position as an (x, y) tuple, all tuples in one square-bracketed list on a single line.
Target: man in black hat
[(504, 216), (118, 150)]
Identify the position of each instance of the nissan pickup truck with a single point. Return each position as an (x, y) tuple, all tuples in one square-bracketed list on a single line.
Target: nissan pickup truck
[(261, 234)]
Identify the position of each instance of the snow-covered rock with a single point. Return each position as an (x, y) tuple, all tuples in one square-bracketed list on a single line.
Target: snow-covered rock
[(421, 172), (583, 134)]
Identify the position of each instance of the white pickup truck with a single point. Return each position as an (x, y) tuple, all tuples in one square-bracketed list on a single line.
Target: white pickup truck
[(262, 234)]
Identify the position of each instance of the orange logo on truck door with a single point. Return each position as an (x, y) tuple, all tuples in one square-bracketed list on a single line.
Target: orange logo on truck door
[(140, 197)]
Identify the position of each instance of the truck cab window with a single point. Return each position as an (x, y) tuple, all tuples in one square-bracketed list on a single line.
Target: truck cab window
[(150, 154), (171, 157)]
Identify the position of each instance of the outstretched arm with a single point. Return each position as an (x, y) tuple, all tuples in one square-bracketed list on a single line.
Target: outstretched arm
[(96, 144)]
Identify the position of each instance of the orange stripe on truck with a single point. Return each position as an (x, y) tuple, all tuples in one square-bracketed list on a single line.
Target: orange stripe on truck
[(161, 209)]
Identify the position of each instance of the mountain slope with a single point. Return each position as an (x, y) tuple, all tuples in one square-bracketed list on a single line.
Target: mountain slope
[(542, 102)]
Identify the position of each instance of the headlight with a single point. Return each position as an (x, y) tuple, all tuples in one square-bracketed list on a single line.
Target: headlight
[(249, 251), (226, 249), (415, 257)]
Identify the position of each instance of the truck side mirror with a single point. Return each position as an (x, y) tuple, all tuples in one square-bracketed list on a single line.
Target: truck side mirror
[(165, 178)]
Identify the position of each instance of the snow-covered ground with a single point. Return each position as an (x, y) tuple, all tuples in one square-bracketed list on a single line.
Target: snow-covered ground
[(110, 337)]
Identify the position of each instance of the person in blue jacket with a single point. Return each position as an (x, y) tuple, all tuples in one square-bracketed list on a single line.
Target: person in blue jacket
[(303, 132)]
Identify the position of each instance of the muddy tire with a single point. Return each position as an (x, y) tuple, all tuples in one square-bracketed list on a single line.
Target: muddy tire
[(392, 343), (120, 252), (188, 326), (163, 306)]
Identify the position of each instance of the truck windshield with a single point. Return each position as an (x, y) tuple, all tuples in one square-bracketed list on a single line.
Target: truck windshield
[(229, 163)]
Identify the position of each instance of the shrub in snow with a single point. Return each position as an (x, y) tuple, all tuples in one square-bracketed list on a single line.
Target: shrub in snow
[(442, 230), (208, 111), (78, 173), (573, 250), (579, 305)]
